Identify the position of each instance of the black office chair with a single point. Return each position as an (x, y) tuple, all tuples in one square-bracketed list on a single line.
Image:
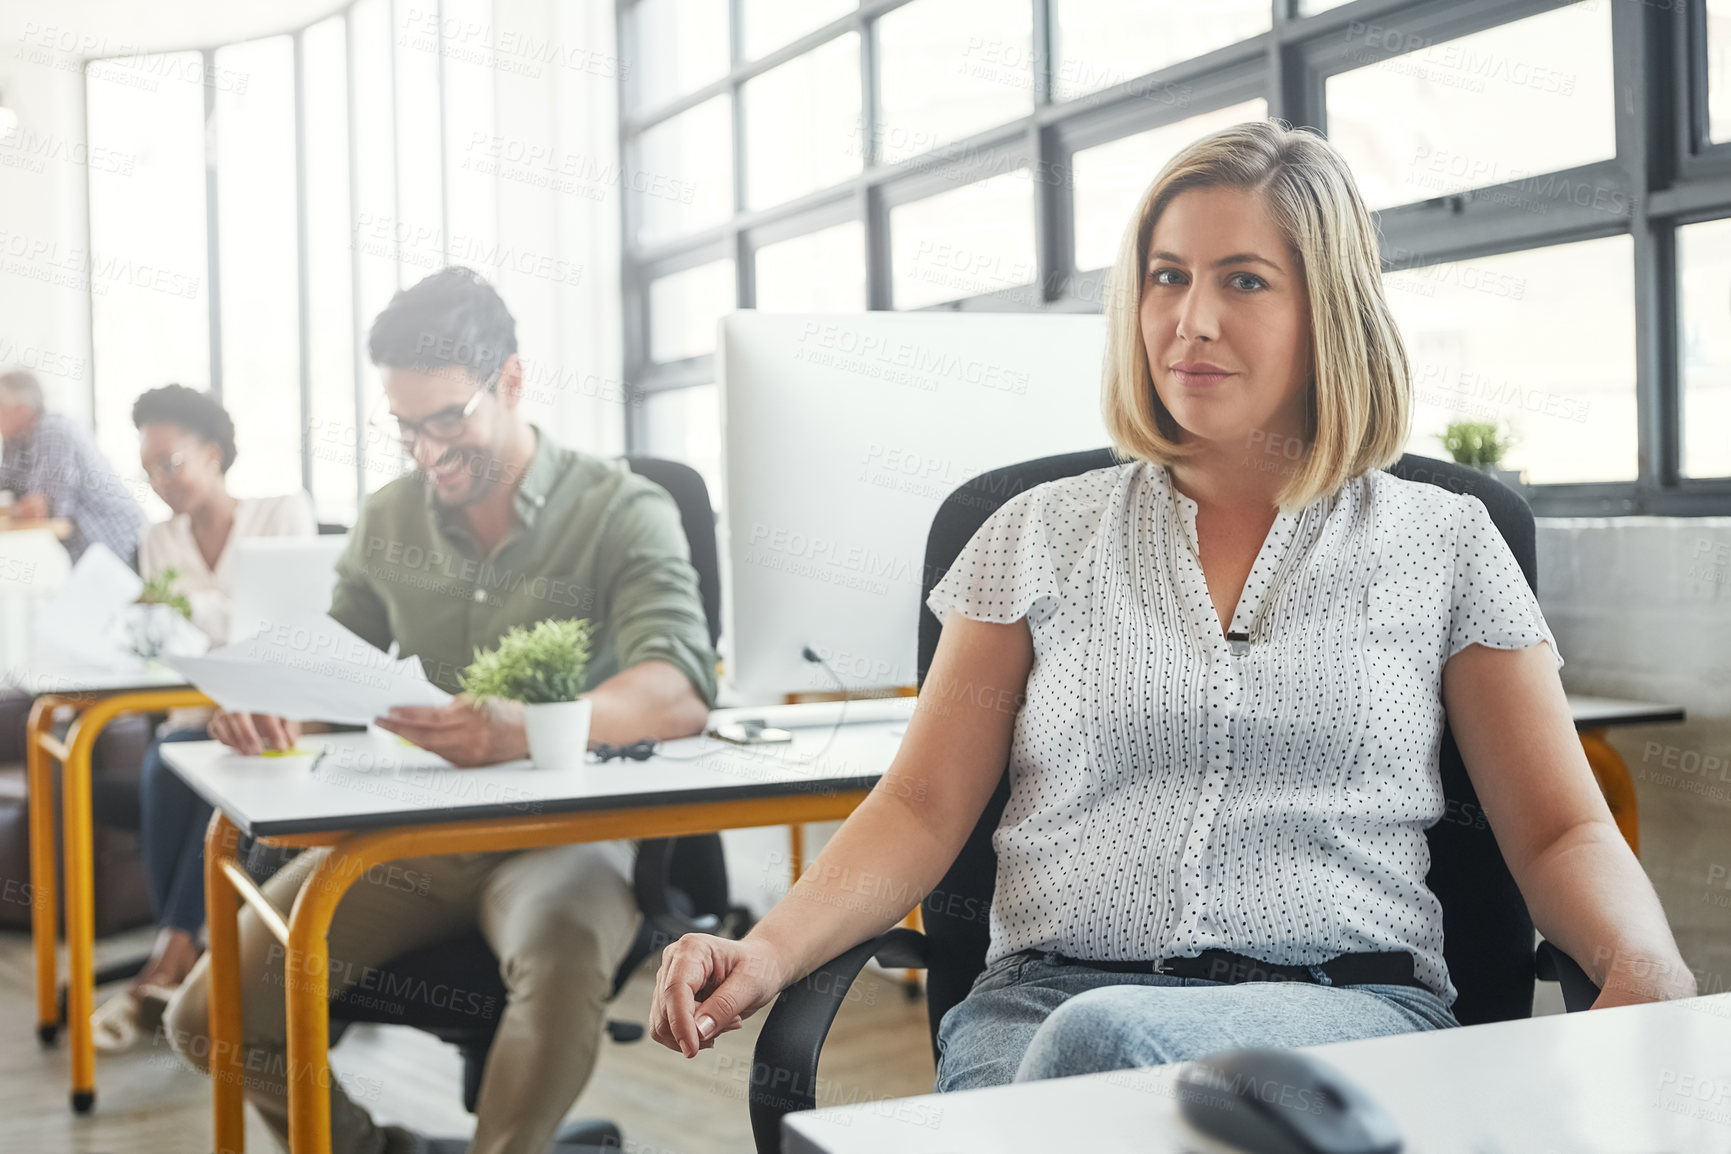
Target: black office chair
[(1488, 936), (680, 883)]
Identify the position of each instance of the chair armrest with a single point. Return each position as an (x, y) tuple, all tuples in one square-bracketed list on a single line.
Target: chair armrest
[(1553, 965), (784, 1066)]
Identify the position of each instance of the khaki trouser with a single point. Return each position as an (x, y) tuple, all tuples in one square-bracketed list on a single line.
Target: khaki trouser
[(560, 920)]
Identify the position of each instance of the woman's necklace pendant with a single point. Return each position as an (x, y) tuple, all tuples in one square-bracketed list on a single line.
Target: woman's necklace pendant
[(1240, 643)]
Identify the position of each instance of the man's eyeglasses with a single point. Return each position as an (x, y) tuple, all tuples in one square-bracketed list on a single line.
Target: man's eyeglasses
[(445, 425)]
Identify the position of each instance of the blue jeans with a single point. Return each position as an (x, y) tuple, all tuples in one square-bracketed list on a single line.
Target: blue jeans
[(172, 824), (171, 836), (1028, 1017)]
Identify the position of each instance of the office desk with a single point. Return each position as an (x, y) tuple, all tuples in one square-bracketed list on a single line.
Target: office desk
[(97, 696), (376, 800), (1652, 1079), (59, 526), (1593, 716)]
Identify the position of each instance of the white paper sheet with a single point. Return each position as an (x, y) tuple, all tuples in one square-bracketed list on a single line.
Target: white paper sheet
[(309, 668), (75, 628)]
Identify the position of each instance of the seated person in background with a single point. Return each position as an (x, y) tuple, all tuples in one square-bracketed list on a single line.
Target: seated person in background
[(186, 445), (1189, 819), (497, 527), (53, 468)]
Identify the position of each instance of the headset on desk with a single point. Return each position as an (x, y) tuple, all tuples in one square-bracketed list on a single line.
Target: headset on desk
[(647, 747)]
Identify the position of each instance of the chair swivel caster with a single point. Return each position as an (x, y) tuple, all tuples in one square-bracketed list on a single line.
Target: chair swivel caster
[(625, 1031)]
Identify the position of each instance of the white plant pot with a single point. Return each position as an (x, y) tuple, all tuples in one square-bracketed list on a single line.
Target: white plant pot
[(558, 733)]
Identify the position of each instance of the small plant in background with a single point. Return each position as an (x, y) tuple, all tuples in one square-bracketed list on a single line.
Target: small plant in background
[(159, 590), (1478, 444), (536, 666)]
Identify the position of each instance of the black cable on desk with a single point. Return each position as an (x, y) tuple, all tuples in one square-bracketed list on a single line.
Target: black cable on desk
[(811, 655)]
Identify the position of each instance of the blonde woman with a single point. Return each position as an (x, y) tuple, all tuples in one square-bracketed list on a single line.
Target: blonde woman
[(1258, 805)]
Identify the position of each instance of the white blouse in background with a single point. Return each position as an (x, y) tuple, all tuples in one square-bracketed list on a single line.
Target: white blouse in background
[(1169, 795), (170, 545)]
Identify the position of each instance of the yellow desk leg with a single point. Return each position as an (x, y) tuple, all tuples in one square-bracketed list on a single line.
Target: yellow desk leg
[(1612, 773), (80, 871), (44, 908), (795, 853), (307, 990), (222, 919), (911, 978), (78, 844)]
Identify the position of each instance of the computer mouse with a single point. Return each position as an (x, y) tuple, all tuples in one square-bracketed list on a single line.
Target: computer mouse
[(1267, 1101)]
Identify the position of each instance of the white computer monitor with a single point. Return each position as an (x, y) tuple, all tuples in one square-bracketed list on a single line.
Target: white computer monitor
[(276, 578), (841, 436)]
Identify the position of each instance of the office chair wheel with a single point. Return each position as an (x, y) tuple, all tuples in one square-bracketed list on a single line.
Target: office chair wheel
[(83, 1101), (624, 1032), (588, 1133), (46, 1033)]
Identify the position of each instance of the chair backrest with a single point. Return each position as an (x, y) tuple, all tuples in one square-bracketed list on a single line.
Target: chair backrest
[(685, 485), (1488, 936)]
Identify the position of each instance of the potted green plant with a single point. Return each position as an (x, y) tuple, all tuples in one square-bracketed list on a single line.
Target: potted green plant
[(158, 623), (1481, 445), (542, 667)]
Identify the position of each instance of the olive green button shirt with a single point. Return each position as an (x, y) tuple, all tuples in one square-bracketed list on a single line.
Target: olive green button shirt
[(594, 540)]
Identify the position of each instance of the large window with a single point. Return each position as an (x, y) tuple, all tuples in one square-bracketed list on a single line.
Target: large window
[(148, 275), (1552, 209), (276, 193)]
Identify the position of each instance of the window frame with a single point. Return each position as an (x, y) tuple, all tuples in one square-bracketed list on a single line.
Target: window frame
[(359, 324), (1666, 171)]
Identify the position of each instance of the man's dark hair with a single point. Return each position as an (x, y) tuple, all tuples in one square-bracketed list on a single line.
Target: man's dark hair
[(198, 413), (452, 317)]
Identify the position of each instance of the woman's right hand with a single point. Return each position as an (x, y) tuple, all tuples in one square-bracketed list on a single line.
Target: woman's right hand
[(707, 986), (252, 733)]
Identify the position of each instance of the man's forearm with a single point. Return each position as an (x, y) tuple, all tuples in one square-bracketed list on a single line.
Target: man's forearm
[(650, 699), (1589, 897)]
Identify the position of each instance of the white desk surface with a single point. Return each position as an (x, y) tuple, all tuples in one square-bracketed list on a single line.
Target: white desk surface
[(370, 782), (76, 679), (1591, 712), (1650, 1079)]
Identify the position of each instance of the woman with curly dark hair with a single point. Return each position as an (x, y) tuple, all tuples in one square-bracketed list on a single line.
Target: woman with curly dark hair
[(186, 445)]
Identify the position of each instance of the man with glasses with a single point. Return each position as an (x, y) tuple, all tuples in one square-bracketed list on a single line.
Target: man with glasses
[(496, 527), (52, 468)]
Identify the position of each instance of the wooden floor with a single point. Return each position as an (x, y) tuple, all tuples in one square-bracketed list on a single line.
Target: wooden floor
[(147, 1103)]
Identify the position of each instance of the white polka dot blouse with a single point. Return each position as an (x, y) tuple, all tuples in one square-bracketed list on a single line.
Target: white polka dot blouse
[(1171, 792)]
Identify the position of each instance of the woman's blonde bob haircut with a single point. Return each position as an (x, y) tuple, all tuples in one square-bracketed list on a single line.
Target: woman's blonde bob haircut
[(1359, 408)]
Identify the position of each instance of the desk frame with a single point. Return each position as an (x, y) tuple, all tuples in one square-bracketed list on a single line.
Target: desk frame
[(95, 711), (304, 934), (1615, 782)]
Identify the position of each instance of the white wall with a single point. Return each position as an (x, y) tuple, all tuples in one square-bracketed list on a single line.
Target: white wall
[(1641, 608)]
